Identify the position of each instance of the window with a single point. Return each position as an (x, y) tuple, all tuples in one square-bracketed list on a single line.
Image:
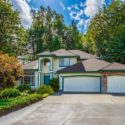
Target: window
[(46, 62), (28, 78), (63, 62)]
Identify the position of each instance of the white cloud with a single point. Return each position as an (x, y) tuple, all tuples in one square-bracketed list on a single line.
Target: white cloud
[(24, 9), (69, 8), (81, 23), (79, 11), (62, 5), (93, 6), (76, 14), (82, 4), (76, 7), (72, 14)]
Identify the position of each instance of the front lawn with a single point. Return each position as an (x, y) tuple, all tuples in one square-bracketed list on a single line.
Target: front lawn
[(12, 104)]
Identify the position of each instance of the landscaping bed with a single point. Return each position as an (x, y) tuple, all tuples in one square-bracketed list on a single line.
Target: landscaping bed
[(17, 97), (13, 104)]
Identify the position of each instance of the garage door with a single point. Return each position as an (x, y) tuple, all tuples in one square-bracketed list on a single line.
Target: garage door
[(116, 84), (81, 84)]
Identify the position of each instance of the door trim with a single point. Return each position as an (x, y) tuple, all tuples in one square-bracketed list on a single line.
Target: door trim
[(44, 78)]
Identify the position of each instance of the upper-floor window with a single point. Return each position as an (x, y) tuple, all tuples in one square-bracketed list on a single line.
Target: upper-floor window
[(46, 62), (63, 62)]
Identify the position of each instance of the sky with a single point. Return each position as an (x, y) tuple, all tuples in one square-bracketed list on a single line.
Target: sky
[(82, 11)]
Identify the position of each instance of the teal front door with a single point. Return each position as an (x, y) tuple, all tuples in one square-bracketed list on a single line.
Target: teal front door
[(46, 80)]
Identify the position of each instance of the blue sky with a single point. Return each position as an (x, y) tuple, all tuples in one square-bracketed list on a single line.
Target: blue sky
[(82, 11)]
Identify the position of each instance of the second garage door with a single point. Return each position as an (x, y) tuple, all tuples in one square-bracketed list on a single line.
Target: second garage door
[(81, 84), (116, 84)]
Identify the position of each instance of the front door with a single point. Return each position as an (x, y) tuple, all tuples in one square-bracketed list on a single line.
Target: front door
[(46, 79)]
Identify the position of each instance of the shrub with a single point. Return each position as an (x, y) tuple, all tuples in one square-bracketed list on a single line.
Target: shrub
[(54, 83), (9, 93), (32, 91), (45, 89), (23, 87), (10, 70), (45, 95), (20, 100)]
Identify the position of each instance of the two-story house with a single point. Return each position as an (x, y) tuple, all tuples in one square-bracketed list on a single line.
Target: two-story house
[(77, 71), (45, 68)]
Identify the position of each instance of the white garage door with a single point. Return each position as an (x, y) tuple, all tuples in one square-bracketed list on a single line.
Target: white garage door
[(81, 84), (116, 84)]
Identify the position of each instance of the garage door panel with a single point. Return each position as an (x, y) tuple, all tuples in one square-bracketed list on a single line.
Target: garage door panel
[(82, 84), (116, 84)]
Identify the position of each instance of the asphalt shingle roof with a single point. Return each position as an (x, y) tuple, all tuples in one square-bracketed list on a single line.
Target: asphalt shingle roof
[(93, 65), (115, 66), (68, 53), (74, 68), (31, 65), (82, 54), (46, 53), (63, 52)]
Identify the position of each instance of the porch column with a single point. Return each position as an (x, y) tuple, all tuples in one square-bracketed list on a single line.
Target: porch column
[(39, 72), (51, 69), (104, 83)]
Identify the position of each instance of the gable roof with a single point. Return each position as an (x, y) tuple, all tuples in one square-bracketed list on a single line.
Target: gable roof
[(93, 65), (63, 53), (82, 54), (31, 66)]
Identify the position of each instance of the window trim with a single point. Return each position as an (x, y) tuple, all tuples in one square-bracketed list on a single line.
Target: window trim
[(31, 77), (63, 60)]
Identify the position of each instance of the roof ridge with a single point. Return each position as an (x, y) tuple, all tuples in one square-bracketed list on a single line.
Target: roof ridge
[(72, 52), (106, 66)]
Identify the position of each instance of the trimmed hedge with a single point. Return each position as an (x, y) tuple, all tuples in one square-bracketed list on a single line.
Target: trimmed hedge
[(9, 93), (13, 104)]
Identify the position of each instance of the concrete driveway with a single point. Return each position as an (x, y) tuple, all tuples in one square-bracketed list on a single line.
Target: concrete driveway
[(71, 109)]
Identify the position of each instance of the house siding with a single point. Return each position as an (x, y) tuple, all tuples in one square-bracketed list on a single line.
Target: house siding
[(56, 66)]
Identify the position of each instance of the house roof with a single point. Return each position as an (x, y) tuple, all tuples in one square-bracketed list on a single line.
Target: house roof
[(63, 53), (46, 53), (68, 53), (74, 68), (31, 66), (114, 66), (82, 54), (93, 65), (90, 65)]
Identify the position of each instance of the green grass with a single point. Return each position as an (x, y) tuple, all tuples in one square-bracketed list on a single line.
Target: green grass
[(20, 100)]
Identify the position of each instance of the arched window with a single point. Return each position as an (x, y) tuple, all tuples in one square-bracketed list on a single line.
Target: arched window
[(46, 62)]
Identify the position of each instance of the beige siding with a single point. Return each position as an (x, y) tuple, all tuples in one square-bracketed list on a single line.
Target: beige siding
[(56, 67)]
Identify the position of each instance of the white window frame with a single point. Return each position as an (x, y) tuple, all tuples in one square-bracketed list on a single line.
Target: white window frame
[(30, 75), (64, 62)]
